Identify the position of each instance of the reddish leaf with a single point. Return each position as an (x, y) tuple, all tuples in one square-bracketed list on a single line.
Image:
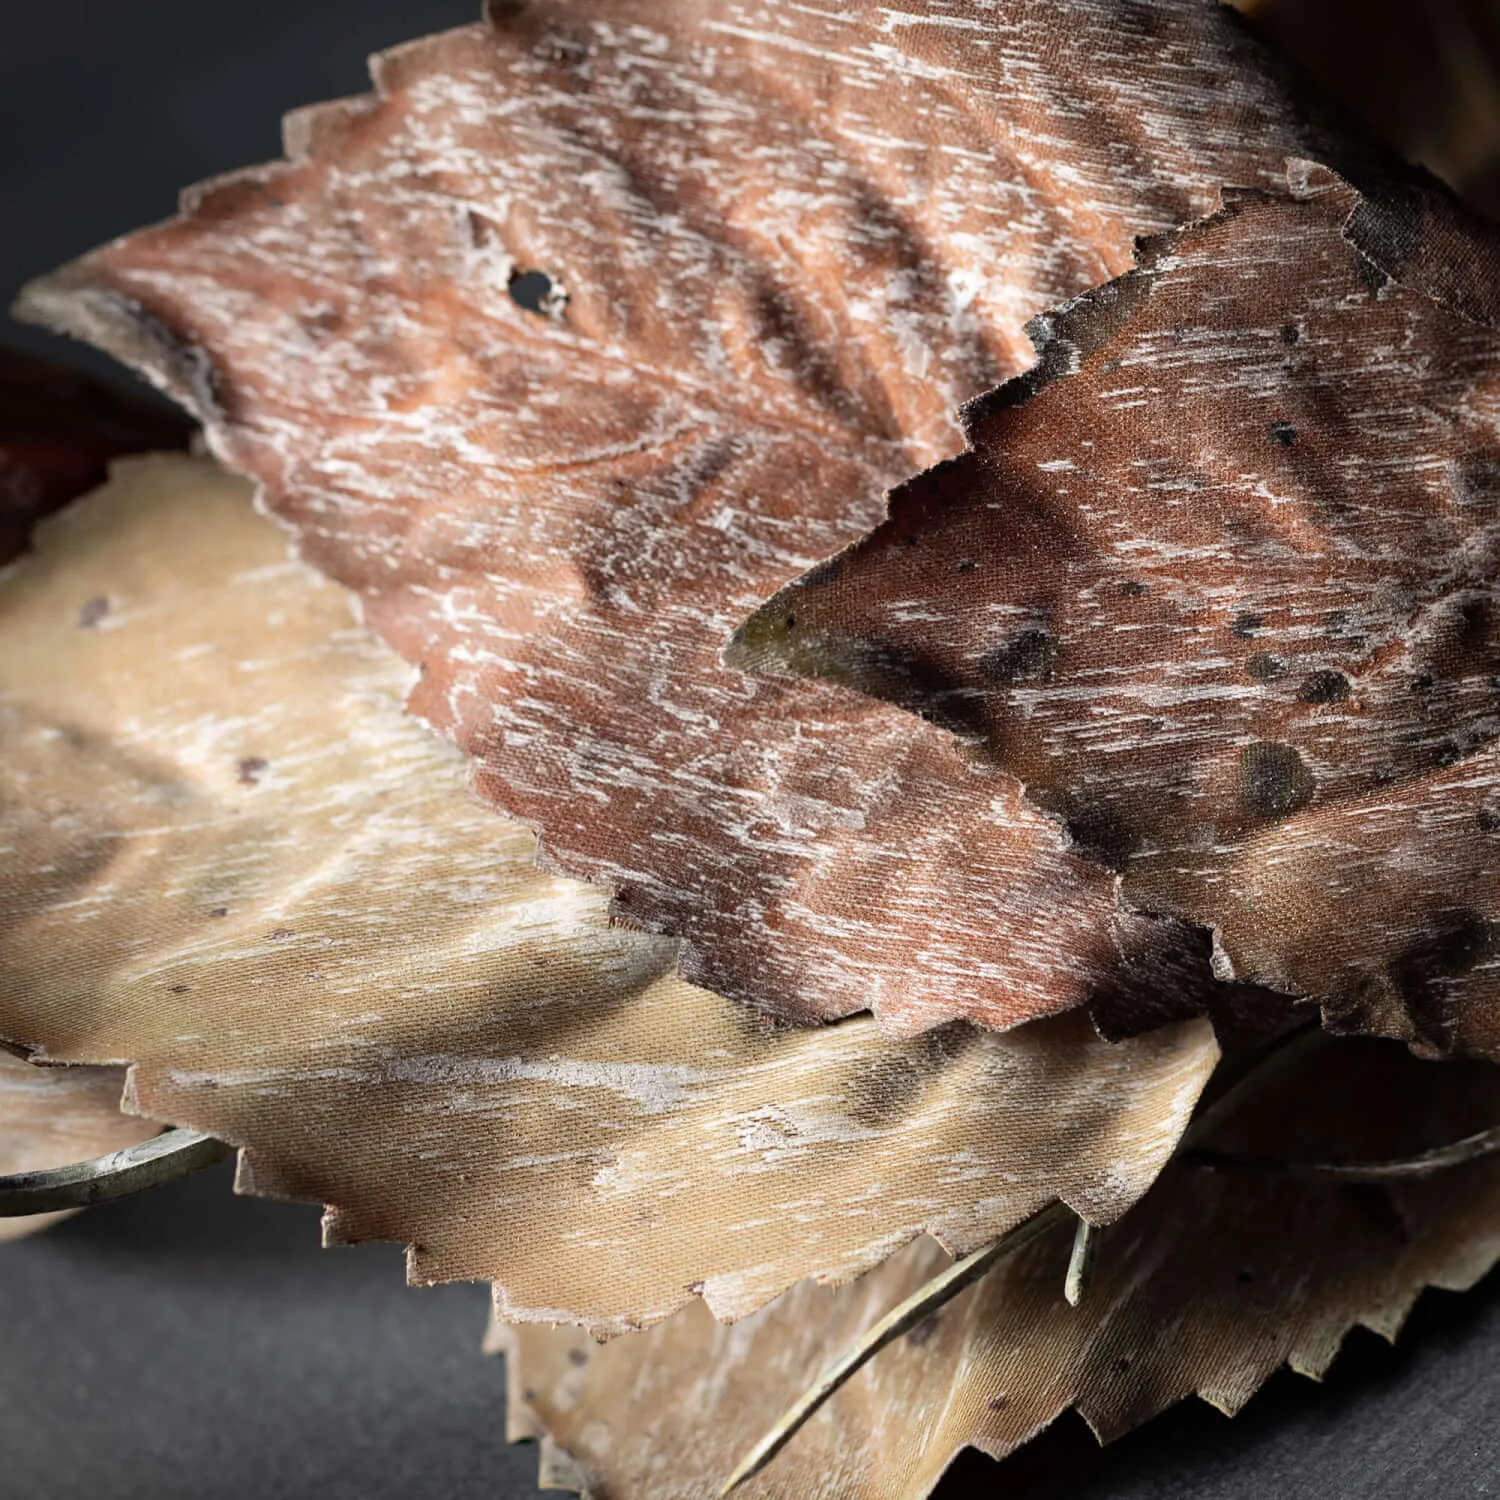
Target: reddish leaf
[(753, 261), (1226, 555)]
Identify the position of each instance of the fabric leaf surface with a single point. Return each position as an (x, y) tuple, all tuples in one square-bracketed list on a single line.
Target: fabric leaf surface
[(232, 861), (1216, 581), (601, 322), (1208, 1286)]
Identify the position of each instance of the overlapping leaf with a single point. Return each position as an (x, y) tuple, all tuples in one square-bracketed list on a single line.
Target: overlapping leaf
[(1235, 563), (58, 431), (52, 1117), (228, 858), (602, 321), (1208, 1286)]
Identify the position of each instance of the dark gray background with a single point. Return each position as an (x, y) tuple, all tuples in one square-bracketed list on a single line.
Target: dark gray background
[(189, 1345)]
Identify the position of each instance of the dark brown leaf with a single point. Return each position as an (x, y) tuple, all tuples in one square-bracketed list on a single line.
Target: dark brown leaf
[(1227, 556)]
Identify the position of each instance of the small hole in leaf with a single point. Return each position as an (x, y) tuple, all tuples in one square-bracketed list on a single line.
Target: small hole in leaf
[(537, 292), (1244, 1277)]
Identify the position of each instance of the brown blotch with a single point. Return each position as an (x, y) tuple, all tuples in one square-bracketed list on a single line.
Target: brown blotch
[(923, 1331), (219, 911), (1274, 781), (1324, 687), (1246, 624), (1027, 657), (1264, 667), (90, 615), (248, 770)]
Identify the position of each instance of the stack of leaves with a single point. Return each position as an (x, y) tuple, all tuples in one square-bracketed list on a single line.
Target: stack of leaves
[(583, 356)]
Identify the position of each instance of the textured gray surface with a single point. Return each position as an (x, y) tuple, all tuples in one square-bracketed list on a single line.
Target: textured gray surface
[(188, 1344)]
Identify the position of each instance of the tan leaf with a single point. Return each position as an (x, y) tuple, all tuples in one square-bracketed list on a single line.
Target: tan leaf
[(1209, 1285), (52, 1117), (234, 862), (1226, 555), (603, 320)]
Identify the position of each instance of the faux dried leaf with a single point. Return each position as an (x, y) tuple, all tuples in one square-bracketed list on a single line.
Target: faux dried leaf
[(52, 1117), (1208, 1286), (1227, 554), (603, 320), (58, 431), (232, 861)]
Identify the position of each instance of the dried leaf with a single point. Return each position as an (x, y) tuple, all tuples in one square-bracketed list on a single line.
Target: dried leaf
[(58, 431), (1208, 1286), (232, 861), (52, 1117), (754, 259), (1226, 555)]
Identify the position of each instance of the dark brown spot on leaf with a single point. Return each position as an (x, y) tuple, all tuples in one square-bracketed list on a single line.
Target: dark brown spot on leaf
[(1274, 781), (1028, 657), (93, 612), (248, 770), (1264, 667), (1283, 434), (1324, 687), (923, 1331)]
